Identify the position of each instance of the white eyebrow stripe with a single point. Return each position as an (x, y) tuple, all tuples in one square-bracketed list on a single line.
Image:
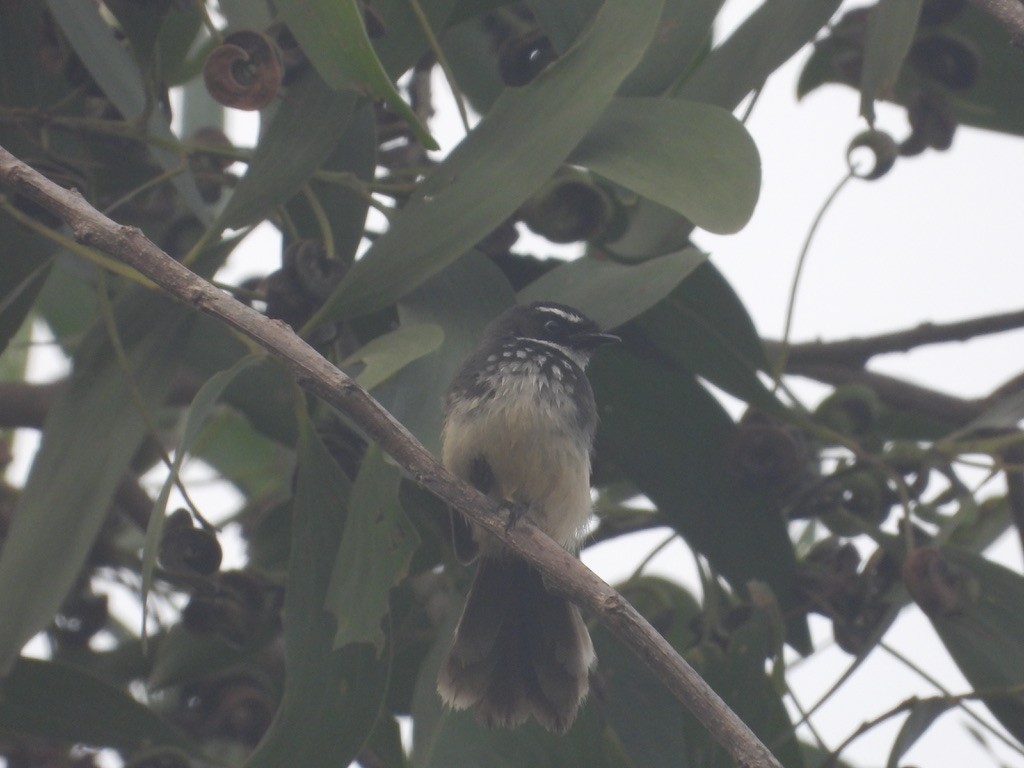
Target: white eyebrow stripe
[(572, 317)]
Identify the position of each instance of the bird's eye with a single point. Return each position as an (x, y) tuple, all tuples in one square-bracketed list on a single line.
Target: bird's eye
[(554, 326)]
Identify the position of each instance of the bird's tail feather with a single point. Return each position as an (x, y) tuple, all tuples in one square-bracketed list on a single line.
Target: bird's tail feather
[(518, 651)]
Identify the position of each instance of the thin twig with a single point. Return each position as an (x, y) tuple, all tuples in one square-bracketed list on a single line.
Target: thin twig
[(783, 352), (564, 572)]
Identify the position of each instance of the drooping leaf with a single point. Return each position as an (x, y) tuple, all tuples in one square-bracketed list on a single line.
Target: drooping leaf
[(683, 34), (373, 554), (180, 657), (704, 327), (118, 75), (22, 280), (759, 46), (53, 701), (891, 28), (71, 483), (259, 467), (563, 20), (332, 696), (344, 208), (195, 417), (404, 42), (512, 151), (613, 293), (974, 606), (669, 436), (332, 34), (386, 355), (922, 715), (697, 159), (306, 128), (657, 730)]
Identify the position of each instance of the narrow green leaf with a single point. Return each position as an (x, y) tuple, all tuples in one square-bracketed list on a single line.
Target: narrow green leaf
[(388, 354), (697, 159), (563, 20), (89, 436), (613, 293), (374, 554), (759, 46), (332, 697), (704, 327), (404, 43), (982, 629), (922, 715), (195, 416), (180, 657), (512, 151), (670, 436), (56, 702), (995, 101), (22, 279), (333, 36), (306, 128), (891, 28), (259, 467), (344, 208), (118, 75), (684, 32)]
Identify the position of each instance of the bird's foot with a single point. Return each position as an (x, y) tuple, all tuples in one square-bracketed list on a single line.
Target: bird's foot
[(516, 511)]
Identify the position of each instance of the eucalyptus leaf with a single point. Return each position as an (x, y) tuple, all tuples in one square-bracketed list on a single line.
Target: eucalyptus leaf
[(22, 278), (891, 28), (118, 75), (305, 129), (511, 152), (994, 101), (684, 34), (386, 355), (670, 436), (922, 715), (195, 417), (373, 555), (696, 159), (613, 293), (332, 697), (343, 208), (68, 492), (59, 702), (982, 627), (761, 44), (704, 327), (333, 35)]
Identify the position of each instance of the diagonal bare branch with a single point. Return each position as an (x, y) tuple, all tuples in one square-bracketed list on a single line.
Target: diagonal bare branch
[(317, 376)]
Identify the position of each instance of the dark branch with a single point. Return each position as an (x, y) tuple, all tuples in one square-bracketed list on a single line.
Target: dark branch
[(856, 352), (317, 376)]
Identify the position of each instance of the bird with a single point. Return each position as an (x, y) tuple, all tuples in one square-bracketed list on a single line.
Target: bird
[(519, 424)]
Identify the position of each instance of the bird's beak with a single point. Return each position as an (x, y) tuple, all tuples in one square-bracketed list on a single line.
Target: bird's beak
[(594, 340)]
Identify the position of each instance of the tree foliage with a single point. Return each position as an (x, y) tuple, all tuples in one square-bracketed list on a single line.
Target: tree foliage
[(608, 124)]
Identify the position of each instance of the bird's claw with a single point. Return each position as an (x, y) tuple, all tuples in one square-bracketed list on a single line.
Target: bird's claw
[(516, 511)]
